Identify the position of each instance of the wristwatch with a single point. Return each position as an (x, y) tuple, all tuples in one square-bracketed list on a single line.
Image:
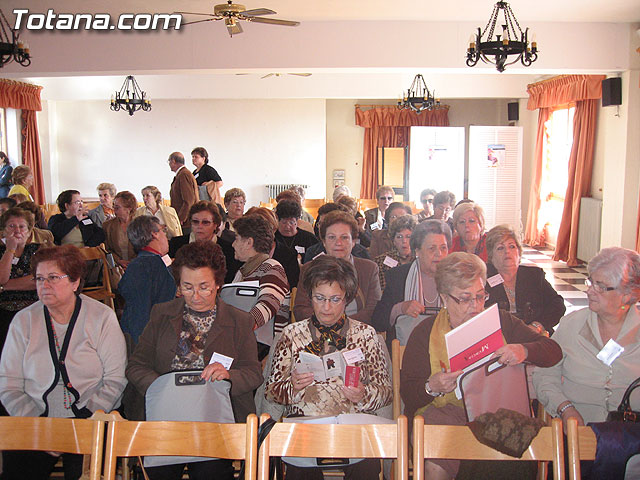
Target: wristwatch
[(431, 392)]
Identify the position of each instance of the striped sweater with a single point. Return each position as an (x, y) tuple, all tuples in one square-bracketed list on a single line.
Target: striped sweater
[(274, 297)]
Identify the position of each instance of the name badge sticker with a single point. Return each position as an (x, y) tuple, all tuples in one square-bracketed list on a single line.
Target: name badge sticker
[(610, 352), (390, 262), (87, 221), (167, 260), (353, 356), (300, 249), (222, 360), (495, 280)]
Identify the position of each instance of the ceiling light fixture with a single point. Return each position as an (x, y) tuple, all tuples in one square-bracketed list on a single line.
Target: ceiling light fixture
[(11, 47), (511, 42), (418, 97), (130, 97)]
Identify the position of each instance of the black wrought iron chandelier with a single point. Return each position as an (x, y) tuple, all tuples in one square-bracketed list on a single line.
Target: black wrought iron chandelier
[(418, 97), (130, 97), (12, 49), (513, 42)]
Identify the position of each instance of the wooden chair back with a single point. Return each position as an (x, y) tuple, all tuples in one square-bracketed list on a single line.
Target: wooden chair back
[(238, 441), (292, 302), (312, 205), (457, 442), (270, 205), (337, 441), (367, 203), (581, 442), (102, 292), (397, 352), (68, 435)]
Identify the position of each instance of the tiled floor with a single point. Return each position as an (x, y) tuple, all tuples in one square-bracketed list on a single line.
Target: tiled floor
[(568, 281)]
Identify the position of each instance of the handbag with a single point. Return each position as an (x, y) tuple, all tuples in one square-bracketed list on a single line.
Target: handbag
[(624, 413)]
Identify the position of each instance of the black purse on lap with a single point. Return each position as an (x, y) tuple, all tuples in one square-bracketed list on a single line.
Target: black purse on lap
[(624, 413)]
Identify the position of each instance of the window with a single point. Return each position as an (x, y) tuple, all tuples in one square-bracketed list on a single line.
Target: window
[(558, 140)]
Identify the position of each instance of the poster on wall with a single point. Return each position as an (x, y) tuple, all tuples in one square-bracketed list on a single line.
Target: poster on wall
[(437, 153), (495, 155)]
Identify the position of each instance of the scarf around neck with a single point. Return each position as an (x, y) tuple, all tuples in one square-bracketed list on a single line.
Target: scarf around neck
[(253, 263), (330, 334)]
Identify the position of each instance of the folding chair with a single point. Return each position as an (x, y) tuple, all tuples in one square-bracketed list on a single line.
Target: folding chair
[(581, 442), (67, 435), (397, 353), (337, 441), (458, 442), (102, 292), (237, 441)]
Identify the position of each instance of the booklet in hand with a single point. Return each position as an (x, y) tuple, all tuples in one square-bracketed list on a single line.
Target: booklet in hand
[(334, 364)]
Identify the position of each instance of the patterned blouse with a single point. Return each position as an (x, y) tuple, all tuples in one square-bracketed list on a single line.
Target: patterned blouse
[(326, 398), (384, 268), (14, 300), (193, 337)]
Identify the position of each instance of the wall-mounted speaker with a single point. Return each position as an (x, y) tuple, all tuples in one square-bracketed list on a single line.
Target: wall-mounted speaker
[(513, 111), (611, 91)]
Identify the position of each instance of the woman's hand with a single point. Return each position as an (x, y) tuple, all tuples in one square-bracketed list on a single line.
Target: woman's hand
[(412, 308), (569, 413), (123, 263), (300, 381), (355, 394), (511, 354), (361, 221), (444, 382), (215, 371), (12, 243)]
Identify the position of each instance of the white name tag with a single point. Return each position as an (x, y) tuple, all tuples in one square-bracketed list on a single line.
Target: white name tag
[(87, 221), (375, 226), (15, 260), (390, 262), (353, 356), (299, 249), (222, 360), (610, 352), (495, 280), (167, 260)]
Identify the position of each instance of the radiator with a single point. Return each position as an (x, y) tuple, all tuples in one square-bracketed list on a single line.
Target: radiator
[(273, 189), (589, 228)]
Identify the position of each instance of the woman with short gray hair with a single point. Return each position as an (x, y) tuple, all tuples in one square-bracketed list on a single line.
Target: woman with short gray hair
[(600, 344), (147, 280)]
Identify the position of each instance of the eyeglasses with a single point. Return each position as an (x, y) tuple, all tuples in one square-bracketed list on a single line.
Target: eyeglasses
[(385, 198), (204, 223), (598, 287), (51, 278), (78, 202), (335, 299), (427, 200), (13, 226), (188, 290), (467, 301), (401, 237), (289, 221)]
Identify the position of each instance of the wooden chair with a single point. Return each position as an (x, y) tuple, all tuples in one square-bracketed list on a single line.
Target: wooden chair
[(268, 205), (292, 302), (367, 203), (581, 442), (337, 441), (397, 352), (238, 441), (68, 435), (311, 206), (102, 292), (457, 442)]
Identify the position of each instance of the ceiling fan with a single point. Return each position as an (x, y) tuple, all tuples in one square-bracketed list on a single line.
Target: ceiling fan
[(232, 12)]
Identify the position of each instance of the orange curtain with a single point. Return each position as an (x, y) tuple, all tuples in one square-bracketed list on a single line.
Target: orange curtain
[(389, 127), (31, 156), (532, 235), (19, 95)]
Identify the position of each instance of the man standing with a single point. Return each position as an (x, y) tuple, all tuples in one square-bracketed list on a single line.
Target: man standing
[(184, 190)]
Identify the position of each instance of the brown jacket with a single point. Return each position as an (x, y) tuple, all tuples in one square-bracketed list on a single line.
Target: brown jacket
[(231, 335), (113, 232), (184, 193), (367, 297)]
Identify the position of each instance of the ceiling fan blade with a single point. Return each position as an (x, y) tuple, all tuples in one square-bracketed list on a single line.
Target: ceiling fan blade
[(234, 29), (200, 21), (267, 76), (257, 11), (274, 21)]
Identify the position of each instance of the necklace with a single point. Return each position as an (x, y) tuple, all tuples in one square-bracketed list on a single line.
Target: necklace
[(289, 243), (66, 394)]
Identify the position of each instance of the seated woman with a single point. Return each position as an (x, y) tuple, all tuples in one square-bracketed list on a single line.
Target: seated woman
[(65, 356), (400, 233), (166, 215), (205, 221), (148, 280), (338, 231), (333, 285), (468, 219), (519, 289), (460, 279), (253, 243), (183, 334), (73, 226), (411, 288), (288, 213), (234, 202), (22, 178), (38, 215), (381, 242), (426, 200), (581, 385), (17, 288), (115, 229), (104, 211)]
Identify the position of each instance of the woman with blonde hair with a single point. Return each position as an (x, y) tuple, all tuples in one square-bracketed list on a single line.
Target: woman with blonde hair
[(22, 178), (153, 206), (115, 230), (468, 220)]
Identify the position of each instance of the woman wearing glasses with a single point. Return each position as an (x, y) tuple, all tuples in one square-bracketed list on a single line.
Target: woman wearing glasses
[(426, 383), (184, 334), (600, 344), (333, 285), (401, 253), (426, 199), (73, 226), (65, 356)]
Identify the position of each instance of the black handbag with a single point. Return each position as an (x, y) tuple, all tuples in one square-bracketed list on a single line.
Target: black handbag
[(624, 412)]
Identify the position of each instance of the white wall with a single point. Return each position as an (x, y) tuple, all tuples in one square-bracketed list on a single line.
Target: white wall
[(250, 143)]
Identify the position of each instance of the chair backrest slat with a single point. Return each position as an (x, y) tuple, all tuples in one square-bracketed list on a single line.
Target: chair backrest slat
[(581, 442), (397, 353)]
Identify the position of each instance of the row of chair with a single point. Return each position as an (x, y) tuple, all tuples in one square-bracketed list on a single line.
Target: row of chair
[(240, 442)]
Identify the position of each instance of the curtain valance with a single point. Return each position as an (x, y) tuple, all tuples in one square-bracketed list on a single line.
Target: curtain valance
[(393, 117), (564, 89), (19, 95)]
